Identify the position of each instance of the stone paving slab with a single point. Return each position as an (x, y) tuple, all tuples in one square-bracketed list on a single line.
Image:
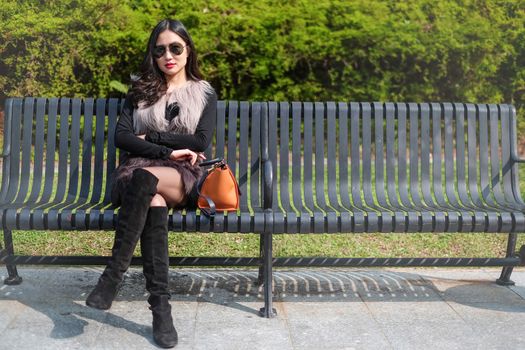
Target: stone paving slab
[(412, 312), (431, 335), (317, 309), (236, 326), (333, 325)]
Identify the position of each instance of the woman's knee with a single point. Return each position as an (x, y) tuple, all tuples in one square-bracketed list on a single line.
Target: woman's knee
[(158, 201)]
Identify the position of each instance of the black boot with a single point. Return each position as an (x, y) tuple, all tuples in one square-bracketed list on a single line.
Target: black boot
[(154, 249), (164, 332), (131, 219)]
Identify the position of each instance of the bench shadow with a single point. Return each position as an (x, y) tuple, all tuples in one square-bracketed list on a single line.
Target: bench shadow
[(60, 297)]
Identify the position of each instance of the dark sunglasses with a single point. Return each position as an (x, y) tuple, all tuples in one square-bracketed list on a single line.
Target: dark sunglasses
[(175, 48)]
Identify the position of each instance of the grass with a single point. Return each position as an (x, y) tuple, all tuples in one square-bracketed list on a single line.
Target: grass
[(335, 245)]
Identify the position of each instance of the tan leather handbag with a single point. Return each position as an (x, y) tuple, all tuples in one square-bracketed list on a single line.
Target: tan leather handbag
[(218, 189)]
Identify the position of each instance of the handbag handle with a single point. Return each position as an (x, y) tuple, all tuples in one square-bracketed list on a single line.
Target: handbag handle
[(208, 212), (217, 162), (211, 162)]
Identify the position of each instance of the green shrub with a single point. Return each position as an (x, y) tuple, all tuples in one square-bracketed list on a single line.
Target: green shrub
[(415, 50)]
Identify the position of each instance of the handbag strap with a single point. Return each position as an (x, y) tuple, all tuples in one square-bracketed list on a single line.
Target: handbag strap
[(208, 212)]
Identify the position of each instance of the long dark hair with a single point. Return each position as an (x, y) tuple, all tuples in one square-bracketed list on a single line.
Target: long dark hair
[(151, 83)]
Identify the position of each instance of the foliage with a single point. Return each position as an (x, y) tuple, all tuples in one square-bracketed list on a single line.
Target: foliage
[(414, 50)]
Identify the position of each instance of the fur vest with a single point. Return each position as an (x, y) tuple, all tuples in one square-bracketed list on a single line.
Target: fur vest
[(191, 99)]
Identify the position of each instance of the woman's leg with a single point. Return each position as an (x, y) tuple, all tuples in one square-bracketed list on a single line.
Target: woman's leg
[(170, 185), (155, 256), (136, 200)]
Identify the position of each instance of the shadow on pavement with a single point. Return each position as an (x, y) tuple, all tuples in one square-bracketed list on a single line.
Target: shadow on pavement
[(59, 294)]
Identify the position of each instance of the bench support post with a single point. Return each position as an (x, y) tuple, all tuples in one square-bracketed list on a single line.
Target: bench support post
[(268, 311), (504, 279), (260, 276), (12, 278)]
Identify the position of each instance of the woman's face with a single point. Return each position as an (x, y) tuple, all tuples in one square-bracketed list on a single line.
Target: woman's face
[(165, 53)]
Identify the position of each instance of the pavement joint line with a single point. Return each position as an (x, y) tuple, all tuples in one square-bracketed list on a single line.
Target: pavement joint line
[(378, 324), (284, 311), (518, 294)]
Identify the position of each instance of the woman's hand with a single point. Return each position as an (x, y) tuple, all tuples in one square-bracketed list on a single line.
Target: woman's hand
[(181, 154), (143, 136)]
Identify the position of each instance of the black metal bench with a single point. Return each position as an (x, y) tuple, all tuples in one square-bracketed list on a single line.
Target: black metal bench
[(302, 168)]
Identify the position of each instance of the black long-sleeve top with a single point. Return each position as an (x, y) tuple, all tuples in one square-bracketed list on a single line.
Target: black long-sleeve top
[(161, 144)]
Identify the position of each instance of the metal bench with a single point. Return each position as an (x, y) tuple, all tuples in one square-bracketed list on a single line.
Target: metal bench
[(302, 168)]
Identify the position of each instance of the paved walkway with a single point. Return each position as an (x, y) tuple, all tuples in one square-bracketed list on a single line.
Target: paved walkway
[(317, 309)]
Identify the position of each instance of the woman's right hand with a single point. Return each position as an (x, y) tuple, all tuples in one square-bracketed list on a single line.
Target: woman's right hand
[(181, 154)]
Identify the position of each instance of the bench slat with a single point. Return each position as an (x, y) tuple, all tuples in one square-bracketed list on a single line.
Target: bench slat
[(319, 135), (494, 156), (111, 159), (460, 155), (233, 108), (284, 141), (244, 133), (50, 157), (391, 164), (379, 144), (507, 160), (297, 158), (308, 149), (355, 173), (100, 139), (514, 167), (74, 148), (220, 136), (6, 148), (343, 153), (38, 150), (254, 168), (27, 136), (14, 157), (367, 155), (87, 143)]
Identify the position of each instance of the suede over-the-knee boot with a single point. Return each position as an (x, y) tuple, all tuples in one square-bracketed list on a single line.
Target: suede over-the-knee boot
[(136, 201), (155, 257)]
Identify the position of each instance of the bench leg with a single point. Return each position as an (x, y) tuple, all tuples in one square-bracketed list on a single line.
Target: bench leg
[(268, 311), (12, 273), (504, 279), (260, 276)]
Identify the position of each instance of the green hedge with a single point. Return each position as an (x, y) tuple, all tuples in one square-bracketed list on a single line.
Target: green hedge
[(414, 50)]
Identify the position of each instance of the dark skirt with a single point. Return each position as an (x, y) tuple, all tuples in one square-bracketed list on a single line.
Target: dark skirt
[(190, 175)]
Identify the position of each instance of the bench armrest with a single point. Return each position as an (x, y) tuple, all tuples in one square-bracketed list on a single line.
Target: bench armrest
[(6, 152), (516, 158), (7, 142), (267, 184)]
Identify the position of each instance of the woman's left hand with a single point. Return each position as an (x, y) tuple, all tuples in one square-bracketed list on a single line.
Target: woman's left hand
[(181, 154)]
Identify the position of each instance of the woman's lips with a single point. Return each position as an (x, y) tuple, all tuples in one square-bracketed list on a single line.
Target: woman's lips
[(169, 65)]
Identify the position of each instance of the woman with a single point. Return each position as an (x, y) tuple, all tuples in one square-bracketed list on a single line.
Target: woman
[(168, 118)]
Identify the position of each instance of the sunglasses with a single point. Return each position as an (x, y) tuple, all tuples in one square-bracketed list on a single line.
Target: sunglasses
[(175, 48)]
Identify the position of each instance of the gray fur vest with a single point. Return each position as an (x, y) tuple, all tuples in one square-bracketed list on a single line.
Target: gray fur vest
[(191, 99)]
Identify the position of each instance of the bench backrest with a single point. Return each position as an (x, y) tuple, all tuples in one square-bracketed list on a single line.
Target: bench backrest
[(60, 153), (328, 159), (387, 157)]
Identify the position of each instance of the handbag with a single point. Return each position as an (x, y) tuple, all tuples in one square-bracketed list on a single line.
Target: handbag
[(217, 189)]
